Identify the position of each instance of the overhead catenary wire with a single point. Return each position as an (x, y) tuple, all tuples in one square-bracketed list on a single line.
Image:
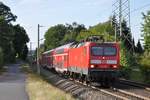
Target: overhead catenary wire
[(142, 7)]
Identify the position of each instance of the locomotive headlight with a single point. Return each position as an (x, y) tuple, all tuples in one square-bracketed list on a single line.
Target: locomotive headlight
[(92, 66), (114, 66)]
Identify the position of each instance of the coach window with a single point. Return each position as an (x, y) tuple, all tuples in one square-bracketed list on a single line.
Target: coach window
[(80, 44), (65, 58), (74, 46)]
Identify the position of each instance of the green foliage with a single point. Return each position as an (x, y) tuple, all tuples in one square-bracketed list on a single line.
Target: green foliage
[(69, 37), (62, 34), (83, 35), (54, 36), (126, 37), (134, 46), (1, 58), (145, 66), (12, 38), (24, 52), (20, 40), (139, 48), (5, 12), (125, 61), (146, 31), (7, 33), (145, 59), (6, 38), (104, 29), (73, 31)]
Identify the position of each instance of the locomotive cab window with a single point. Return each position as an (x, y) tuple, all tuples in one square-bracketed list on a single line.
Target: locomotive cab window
[(97, 51), (110, 51), (103, 51)]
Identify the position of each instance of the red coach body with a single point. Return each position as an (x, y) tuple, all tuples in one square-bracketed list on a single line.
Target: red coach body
[(60, 58), (47, 59)]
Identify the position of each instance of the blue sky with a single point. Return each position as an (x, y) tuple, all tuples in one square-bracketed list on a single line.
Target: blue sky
[(52, 12)]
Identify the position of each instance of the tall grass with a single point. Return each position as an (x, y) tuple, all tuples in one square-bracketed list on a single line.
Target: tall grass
[(145, 66), (1, 58), (39, 89)]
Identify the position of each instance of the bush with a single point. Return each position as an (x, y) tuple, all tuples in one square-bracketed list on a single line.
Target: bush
[(127, 61), (145, 66), (1, 57), (124, 64)]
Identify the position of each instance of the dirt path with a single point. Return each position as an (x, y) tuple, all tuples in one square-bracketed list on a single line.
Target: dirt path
[(12, 84)]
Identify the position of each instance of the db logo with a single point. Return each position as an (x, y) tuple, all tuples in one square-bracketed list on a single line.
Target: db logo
[(103, 61)]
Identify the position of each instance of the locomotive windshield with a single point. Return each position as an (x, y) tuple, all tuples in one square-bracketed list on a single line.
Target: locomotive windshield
[(110, 51), (97, 51), (104, 51)]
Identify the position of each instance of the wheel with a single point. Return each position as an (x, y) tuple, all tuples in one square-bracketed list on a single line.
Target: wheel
[(87, 80), (81, 78), (106, 83)]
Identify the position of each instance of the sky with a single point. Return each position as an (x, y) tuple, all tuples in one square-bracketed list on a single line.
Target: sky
[(52, 12)]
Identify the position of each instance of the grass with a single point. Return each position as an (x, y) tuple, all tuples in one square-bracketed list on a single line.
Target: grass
[(3, 69), (39, 89), (136, 76)]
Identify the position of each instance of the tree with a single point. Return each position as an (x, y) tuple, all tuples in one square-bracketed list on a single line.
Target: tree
[(12, 38), (139, 48), (104, 29), (20, 40), (1, 57), (6, 13), (24, 52), (145, 62), (146, 31), (6, 38), (73, 31), (83, 35), (7, 32), (54, 36), (133, 43), (126, 37), (62, 34)]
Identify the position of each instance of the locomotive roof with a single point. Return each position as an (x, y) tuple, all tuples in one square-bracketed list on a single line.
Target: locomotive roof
[(106, 42), (48, 51), (64, 46), (70, 44)]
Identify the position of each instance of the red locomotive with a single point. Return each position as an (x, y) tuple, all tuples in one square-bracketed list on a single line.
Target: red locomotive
[(87, 60)]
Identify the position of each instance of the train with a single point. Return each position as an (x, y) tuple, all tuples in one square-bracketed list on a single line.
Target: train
[(88, 61)]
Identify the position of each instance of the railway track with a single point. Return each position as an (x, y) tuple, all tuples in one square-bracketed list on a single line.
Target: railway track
[(137, 89), (119, 93), (112, 93), (128, 90), (129, 95), (136, 84)]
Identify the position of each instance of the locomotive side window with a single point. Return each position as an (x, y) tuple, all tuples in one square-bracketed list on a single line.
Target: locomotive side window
[(65, 58), (97, 51), (110, 51), (80, 44)]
